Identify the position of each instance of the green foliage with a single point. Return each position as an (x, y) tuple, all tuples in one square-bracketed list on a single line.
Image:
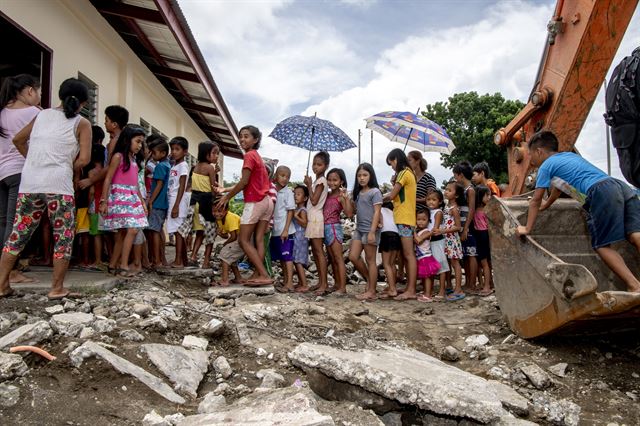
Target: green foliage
[(236, 206), (471, 120)]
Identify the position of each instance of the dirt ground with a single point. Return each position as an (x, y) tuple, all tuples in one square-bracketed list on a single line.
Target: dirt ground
[(603, 375)]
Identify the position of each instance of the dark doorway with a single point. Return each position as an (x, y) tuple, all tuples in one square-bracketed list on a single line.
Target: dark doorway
[(24, 54)]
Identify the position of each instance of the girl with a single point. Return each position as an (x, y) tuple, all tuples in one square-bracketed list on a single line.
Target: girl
[(481, 232), (389, 248), (318, 191), (121, 203), (403, 195), (300, 242), (428, 266), (368, 199), (19, 99), (258, 207), (454, 193), (203, 191), (435, 202), (335, 203)]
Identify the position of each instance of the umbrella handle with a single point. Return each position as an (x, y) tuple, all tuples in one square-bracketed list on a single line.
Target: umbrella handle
[(407, 141), (308, 161)]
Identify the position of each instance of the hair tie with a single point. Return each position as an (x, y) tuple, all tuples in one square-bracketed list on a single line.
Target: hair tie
[(73, 98)]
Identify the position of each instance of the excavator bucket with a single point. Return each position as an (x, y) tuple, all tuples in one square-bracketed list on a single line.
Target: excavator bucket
[(552, 281)]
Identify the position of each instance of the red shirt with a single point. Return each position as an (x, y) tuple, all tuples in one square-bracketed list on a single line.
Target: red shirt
[(258, 185)]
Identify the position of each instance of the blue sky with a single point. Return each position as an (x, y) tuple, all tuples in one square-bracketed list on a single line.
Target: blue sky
[(348, 59)]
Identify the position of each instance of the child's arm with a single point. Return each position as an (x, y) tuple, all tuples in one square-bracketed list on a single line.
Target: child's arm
[(301, 218), (377, 208), (347, 204), (155, 193), (285, 231), (22, 137), (83, 133), (555, 194), (106, 187), (436, 225), (244, 181), (213, 180), (471, 202), (144, 206), (394, 192), (534, 208), (175, 211), (419, 238), (315, 195), (233, 235)]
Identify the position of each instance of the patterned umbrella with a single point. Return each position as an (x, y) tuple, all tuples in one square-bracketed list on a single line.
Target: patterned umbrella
[(411, 129), (312, 134)]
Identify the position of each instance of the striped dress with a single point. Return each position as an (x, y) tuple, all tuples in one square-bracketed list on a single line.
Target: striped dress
[(124, 207)]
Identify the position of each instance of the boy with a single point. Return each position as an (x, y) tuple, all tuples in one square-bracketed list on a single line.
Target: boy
[(613, 208), (281, 243), (95, 195), (462, 173), (176, 194), (228, 225), (481, 176), (158, 203)]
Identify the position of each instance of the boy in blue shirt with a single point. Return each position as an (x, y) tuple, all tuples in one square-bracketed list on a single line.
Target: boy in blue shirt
[(158, 201), (612, 206)]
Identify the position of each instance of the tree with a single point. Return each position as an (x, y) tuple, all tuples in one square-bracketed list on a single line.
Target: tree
[(471, 120)]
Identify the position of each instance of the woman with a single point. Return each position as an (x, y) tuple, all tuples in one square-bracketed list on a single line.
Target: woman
[(59, 143), (18, 99), (425, 182)]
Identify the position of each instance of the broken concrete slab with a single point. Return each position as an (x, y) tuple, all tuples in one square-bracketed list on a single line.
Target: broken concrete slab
[(54, 310), (91, 349), (222, 367), (188, 272), (77, 281), (185, 368), (271, 379), (243, 334), (9, 395), (559, 369), (70, 324), (407, 376), (28, 334), (12, 365), (235, 291), (211, 403), (213, 328), (511, 399), (288, 406), (194, 342), (536, 375)]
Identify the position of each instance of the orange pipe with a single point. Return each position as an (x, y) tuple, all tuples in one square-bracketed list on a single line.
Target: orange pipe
[(33, 349)]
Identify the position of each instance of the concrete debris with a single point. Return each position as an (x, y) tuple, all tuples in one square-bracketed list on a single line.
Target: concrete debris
[(70, 324), (450, 354), (476, 341), (536, 375), (9, 395), (156, 323), (194, 342), (104, 325), (222, 367), (211, 403), (131, 335), (184, 368), (270, 379), (91, 349), (28, 334), (154, 419), (559, 369), (243, 334), (11, 365), (54, 310), (86, 333), (235, 291), (511, 400), (562, 413), (142, 309), (214, 327)]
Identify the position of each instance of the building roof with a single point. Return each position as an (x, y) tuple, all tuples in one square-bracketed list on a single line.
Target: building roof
[(158, 33)]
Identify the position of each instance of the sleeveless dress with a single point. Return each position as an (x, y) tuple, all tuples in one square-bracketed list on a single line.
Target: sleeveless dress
[(124, 207), (199, 216), (438, 243), (300, 243), (452, 245), (428, 266), (315, 216)]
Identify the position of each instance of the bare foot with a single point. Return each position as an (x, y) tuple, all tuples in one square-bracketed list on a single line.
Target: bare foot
[(16, 277), (206, 265), (405, 296), (366, 296), (321, 291), (301, 289), (176, 266)]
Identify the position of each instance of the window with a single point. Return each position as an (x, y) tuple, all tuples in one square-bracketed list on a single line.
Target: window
[(151, 129), (90, 109)]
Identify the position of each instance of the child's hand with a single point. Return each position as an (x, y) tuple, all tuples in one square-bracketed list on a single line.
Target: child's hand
[(436, 232), (284, 236), (343, 193), (146, 210), (307, 180), (103, 207), (371, 238), (463, 235), (521, 231), (84, 183), (175, 211)]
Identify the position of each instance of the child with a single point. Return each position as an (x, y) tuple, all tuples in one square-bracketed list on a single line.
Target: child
[(121, 203), (200, 214), (451, 227), (270, 166), (403, 195), (228, 226), (300, 242), (281, 243), (258, 207), (158, 203), (140, 253), (428, 266), (368, 200), (95, 195), (176, 194), (335, 203), (462, 173), (613, 208), (318, 191), (481, 176), (389, 248), (435, 203), (83, 222), (481, 232)]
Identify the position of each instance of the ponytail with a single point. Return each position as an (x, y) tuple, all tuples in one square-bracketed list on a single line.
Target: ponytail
[(72, 93), (11, 86)]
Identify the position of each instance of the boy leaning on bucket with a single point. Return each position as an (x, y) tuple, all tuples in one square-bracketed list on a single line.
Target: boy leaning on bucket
[(612, 206)]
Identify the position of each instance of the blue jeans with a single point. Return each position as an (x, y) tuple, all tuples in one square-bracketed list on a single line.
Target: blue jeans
[(8, 196)]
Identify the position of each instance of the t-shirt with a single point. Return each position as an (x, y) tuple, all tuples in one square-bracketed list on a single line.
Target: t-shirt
[(231, 223), (423, 186), (12, 121), (388, 224), (480, 221), (258, 185), (284, 204), (365, 209), (161, 172), (177, 171), (571, 168), (404, 204)]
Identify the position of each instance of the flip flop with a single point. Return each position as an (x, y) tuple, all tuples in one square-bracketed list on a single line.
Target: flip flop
[(455, 297), (387, 296), (402, 297), (424, 299), (11, 292), (68, 295), (486, 293), (283, 289), (258, 283)]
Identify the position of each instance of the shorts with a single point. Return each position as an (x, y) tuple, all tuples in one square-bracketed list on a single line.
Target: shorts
[(469, 248), (405, 231), (231, 253), (83, 223), (255, 212), (156, 219), (482, 244), (94, 221), (139, 238), (281, 250), (613, 212), (364, 237), (389, 241), (333, 232)]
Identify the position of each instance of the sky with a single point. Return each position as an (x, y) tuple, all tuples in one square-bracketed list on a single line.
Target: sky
[(345, 60)]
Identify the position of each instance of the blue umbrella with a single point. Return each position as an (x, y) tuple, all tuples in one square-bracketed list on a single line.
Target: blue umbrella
[(411, 129), (312, 134)]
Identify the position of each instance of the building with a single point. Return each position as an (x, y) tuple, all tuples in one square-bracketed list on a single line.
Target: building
[(136, 53)]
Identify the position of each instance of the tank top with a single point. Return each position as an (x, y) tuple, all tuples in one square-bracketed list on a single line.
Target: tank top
[(331, 210), (53, 147), (480, 221), (432, 223), (122, 177), (464, 210), (200, 183), (12, 121)]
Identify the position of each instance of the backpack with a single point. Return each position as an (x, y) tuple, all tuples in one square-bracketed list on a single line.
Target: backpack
[(622, 102)]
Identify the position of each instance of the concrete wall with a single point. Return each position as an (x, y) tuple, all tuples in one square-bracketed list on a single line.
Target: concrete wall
[(82, 41)]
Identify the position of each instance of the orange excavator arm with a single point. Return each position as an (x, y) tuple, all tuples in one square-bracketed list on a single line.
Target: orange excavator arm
[(583, 36)]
